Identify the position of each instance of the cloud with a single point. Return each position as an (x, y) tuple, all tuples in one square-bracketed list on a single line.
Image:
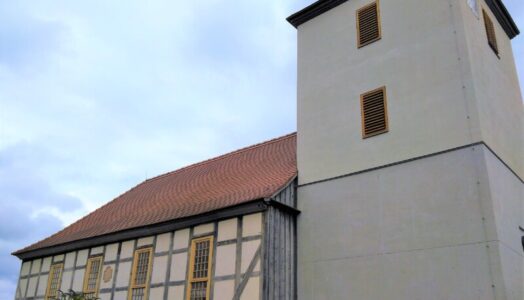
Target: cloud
[(29, 207), (97, 96), (7, 288), (27, 42)]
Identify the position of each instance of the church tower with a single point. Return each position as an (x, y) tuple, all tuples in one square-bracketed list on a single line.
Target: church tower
[(410, 151)]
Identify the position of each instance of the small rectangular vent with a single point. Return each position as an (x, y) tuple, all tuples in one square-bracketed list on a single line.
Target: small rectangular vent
[(490, 32), (374, 112), (368, 24)]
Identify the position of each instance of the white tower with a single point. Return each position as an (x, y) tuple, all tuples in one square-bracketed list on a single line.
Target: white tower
[(410, 151)]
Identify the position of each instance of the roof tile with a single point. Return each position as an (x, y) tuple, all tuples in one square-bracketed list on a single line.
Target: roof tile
[(255, 172)]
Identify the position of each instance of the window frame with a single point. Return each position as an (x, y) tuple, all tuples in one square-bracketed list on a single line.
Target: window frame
[(85, 288), (491, 34), (379, 24), (191, 279), (134, 269), (363, 117), (52, 269)]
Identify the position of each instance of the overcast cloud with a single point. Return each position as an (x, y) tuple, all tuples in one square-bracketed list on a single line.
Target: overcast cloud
[(96, 96)]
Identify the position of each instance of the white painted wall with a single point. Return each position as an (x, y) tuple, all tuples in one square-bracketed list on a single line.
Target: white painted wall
[(445, 88), (507, 196), (417, 61), (443, 227), (496, 88), (426, 229)]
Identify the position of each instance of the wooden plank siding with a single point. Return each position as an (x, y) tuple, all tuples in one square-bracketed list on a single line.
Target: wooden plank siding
[(279, 253)]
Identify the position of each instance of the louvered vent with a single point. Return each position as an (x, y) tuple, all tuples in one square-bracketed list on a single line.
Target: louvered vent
[(374, 112), (368, 25), (490, 32)]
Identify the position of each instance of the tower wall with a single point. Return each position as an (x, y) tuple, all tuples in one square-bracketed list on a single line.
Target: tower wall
[(432, 208), (417, 61), (424, 229), (493, 83)]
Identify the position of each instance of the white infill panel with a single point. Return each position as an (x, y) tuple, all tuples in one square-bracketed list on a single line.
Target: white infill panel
[(78, 280), (227, 230), (31, 289), (35, 268), (181, 239), (248, 253), (70, 260), (46, 264), (127, 249), (111, 252), (42, 285), (124, 271), (224, 290), (252, 289), (82, 258), (252, 225), (145, 241), (225, 260), (162, 242), (204, 229), (176, 293), (178, 266), (159, 269)]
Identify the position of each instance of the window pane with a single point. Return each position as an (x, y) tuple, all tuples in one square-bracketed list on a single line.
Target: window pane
[(94, 271), (142, 268), (54, 284), (199, 290), (201, 261), (138, 294)]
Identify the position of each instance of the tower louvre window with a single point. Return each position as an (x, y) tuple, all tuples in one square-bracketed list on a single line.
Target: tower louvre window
[(490, 32), (374, 112), (368, 24)]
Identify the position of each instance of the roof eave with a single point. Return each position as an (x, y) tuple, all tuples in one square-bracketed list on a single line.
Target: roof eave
[(321, 6), (254, 206), (504, 17), (313, 11)]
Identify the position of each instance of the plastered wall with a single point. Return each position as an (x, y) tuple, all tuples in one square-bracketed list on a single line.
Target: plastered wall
[(445, 87), (444, 226), (417, 60), (236, 268), (507, 196), (494, 84), (441, 227)]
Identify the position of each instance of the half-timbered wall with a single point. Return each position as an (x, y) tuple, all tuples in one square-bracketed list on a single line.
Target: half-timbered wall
[(235, 273)]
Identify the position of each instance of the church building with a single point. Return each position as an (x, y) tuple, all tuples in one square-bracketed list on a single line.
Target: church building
[(403, 181)]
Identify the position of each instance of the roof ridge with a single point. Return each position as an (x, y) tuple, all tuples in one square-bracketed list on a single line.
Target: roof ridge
[(264, 143)]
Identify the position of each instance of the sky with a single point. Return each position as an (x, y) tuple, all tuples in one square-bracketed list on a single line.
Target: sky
[(96, 96)]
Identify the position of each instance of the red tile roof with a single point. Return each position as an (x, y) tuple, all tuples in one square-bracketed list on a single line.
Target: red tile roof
[(252, 173)]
